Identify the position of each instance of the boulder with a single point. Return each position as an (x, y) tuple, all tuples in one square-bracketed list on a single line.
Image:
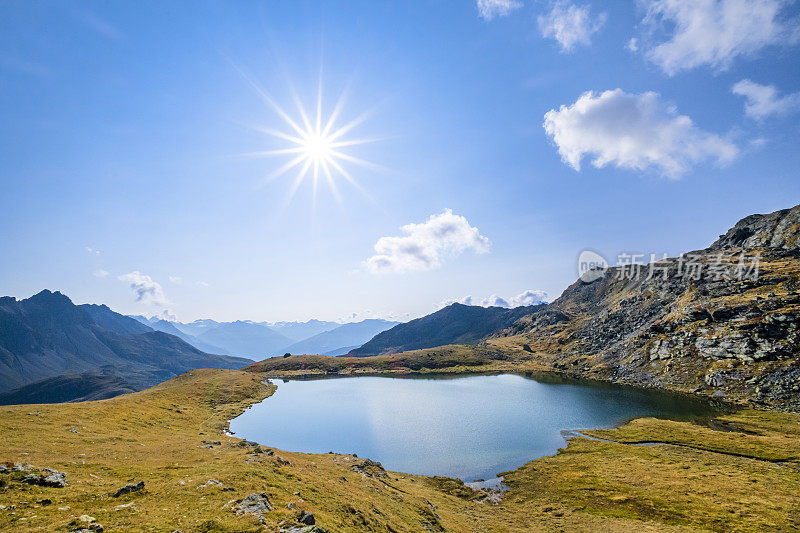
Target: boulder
[(370, 468), (306, 518), (254, 504), (130, 487), (54, 478)]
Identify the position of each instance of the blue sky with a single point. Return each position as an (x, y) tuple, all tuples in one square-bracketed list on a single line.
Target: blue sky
[(124, 126)]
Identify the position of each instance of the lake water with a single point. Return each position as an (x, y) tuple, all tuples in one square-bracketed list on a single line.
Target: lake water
[(466, 427)]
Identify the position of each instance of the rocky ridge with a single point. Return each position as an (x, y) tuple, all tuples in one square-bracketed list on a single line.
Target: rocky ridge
[(722, 322)]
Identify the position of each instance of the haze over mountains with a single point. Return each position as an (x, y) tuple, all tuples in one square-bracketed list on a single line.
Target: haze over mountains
[(47, 335), (258, 340), (341, 340)]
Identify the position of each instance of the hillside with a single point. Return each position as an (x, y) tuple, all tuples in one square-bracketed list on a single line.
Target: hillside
[(736, 339), (455, 324), (68, 388), (338, 339), (47, 335), (172, 437), (731, 339)]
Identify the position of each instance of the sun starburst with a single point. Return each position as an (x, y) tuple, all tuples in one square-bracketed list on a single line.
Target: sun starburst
[(313, 144)]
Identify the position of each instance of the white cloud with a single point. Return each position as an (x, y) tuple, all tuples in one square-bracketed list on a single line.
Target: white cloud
[(489, 9), (570, 25), (529, 297), (177, 280), (147, 291), (634, 131), (763, 100), (633, 44), (100, 273), (167, 315), (715, 32), (425, 245), (91, 250), (202, 284)]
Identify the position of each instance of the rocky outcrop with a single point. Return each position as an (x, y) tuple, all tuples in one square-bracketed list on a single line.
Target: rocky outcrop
[(777, 231), (370, 468), (50, 478), (722, 322), (253, 504)]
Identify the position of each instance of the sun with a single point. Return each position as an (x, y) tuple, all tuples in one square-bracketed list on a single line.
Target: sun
[(318, 148), (313, 144)]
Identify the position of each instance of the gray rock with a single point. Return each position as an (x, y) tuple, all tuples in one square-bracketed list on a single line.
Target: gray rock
[(370, 468), (32, 479), (54, 478), (254, 504), (130, 487), (306, 518)]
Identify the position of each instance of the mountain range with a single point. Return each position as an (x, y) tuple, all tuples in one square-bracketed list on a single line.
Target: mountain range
[(721, 322), (46, 335), (340, 340), (258, 340), (455, 324)]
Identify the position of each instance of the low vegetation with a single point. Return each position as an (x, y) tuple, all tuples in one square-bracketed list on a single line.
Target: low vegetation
[(741, 472)]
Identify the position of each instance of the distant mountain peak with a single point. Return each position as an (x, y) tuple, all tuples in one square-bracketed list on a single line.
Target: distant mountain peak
[(47, 295), (455, 324)]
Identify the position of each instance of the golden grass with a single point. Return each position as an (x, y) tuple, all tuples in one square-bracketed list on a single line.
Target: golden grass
[(157, 436)]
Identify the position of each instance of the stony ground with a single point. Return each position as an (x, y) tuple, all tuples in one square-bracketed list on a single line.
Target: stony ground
[(741, 473)]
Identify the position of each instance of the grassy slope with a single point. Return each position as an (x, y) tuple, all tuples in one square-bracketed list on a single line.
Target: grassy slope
[(157, 435)]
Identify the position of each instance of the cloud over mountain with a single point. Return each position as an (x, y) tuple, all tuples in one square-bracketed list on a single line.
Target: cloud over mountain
[(424, 246), (715, 32), (633, 131), (146, 290), (528, 297)]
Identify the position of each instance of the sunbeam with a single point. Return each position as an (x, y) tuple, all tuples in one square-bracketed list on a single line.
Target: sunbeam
[(314, 143)]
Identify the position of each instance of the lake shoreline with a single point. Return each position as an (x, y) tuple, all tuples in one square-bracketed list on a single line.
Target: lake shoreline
[(306, 400), (172, 436), (456, 360)]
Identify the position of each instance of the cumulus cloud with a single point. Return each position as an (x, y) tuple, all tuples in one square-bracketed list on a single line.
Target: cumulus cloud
[(715, 32), (146, 290), (167, 315), (100, 273), (489, 9), (529, 297), (634, 131), (764, 100), (570, 25), (424, 246)]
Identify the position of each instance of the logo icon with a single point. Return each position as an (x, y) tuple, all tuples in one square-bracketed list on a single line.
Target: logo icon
[(591, 266)]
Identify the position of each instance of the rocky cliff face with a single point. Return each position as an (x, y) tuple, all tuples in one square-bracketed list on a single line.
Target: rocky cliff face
[(723, 322)]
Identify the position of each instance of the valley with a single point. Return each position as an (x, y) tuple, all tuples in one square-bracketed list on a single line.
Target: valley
[(173, 438), (732, 342)]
